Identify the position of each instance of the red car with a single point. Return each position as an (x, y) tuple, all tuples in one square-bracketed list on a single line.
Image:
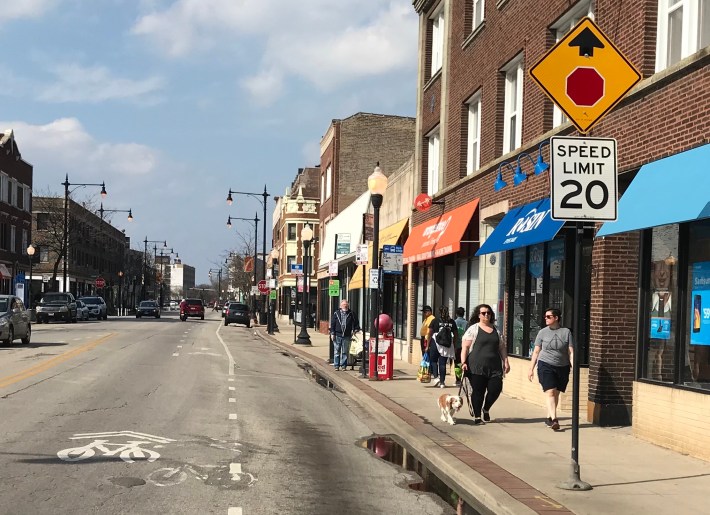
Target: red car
[(192, 308)]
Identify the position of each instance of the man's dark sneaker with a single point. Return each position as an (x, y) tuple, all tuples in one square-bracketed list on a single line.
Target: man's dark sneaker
[(548, 421), (486, 416), (555, 425), (477, 421)]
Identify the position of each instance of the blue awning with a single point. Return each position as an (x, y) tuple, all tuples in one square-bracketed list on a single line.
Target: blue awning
[(671, 190), (523, 226)]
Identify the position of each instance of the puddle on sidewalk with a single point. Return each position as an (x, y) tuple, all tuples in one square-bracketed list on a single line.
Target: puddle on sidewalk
[(321, 380), (391, 451)]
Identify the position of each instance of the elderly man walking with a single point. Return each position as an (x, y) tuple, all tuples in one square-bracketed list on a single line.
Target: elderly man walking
[(343, 324)]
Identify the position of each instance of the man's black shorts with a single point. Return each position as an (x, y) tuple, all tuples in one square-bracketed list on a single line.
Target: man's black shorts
[(551, 376)]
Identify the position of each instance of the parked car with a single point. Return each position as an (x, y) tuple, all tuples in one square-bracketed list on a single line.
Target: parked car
[(14, 320), (82, 310), (148, 308), (97, 307), (190, 308), (237, 313), (56, 306)]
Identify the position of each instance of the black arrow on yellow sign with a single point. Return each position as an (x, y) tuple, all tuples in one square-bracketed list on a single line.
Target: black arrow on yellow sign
[(587, 41)]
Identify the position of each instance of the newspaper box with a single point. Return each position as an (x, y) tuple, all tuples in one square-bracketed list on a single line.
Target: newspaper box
[(384, 358)]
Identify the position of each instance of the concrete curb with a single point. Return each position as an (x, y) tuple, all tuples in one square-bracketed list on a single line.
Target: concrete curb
[(480, 493)]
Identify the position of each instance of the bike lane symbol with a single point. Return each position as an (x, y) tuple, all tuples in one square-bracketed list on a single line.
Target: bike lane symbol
[(134, 446)]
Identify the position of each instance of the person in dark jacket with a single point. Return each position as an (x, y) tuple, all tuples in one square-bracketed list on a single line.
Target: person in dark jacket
[(343, 324)]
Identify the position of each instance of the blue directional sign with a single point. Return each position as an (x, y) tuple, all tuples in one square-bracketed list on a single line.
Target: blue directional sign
[(392, 259), (297, 269)]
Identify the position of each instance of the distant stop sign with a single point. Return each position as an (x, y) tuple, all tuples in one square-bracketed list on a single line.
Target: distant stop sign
[(100, 282), (263, 287), (584, 86)]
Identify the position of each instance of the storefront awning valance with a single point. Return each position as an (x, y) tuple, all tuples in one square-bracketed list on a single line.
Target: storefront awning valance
[(4, 272), (522, 226), (388, 236), (439, 236), (668, 191)]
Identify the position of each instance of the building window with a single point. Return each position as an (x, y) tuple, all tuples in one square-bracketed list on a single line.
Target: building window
[(9, 191), (43, 255), (13, 238), (478, 13), (676, 310), (292, 232), (683, 29), (42, 221), (433, 158), (4, 180), (290, 260), (473, 147), (20, 197), (322, 188), (562, 27), (513, 111), (437, 40), (25, 243), (328, 182), (28, 199)]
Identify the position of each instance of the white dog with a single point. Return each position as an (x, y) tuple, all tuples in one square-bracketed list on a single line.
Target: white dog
[(449, 405)]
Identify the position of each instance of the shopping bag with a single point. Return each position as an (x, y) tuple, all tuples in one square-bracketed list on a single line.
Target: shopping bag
[(424, 372), (356, 345)]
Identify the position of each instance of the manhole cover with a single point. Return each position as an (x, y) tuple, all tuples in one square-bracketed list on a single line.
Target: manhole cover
[(127, 482)]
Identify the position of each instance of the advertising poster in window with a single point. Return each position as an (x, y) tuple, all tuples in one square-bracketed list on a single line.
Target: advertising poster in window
[(555, 255), (700, 305)]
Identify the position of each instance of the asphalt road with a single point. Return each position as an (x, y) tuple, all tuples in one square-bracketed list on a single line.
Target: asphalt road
[(162, 416)]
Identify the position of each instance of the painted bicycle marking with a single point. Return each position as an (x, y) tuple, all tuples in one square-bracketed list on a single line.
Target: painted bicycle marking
[(135, 446)]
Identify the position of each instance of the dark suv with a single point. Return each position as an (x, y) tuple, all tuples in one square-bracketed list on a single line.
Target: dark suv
[(236, 313), (56, 306), (192, 308)]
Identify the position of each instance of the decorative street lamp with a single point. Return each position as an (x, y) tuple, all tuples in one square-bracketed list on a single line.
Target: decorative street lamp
[(306, 237), (272, 303), (120, 292), (65, 239), (377, 184), (264, 197), (145, 260), (256, 231), (30, 253)]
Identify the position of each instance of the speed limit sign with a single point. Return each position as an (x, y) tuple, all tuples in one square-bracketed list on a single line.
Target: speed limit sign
[(583, 179)]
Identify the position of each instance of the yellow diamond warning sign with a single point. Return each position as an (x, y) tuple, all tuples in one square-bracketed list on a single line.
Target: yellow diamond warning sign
[(585, 74)]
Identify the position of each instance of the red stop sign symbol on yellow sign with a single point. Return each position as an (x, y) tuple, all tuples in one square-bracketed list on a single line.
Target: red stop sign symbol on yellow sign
[(585, 74)]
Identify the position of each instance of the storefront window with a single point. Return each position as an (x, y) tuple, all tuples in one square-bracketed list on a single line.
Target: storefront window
[(519, 298), (696, 373), (662, 324)]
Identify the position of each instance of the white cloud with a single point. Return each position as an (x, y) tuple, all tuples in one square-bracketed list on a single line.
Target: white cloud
[(322, 42), (64, 146), (76, 83), (12, 10)]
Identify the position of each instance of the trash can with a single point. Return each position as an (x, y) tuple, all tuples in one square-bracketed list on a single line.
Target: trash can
[(384, 358)]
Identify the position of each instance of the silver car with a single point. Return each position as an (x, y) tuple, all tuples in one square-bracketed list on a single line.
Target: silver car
[(14, 320), (82, 310), (97, 307)]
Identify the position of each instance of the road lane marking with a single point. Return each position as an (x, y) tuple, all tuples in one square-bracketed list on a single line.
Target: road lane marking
[(232, 416), (232, 388), (179, 346), (46, 365), (231, 379), (232, 399), (229, 354), (234, 511), (235, 469), (176, 354)]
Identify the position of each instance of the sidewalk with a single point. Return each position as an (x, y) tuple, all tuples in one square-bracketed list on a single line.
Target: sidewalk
[(513, 463)]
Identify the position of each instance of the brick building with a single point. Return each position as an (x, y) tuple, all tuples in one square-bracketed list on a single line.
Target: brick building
[(350, 150), (479, 116)]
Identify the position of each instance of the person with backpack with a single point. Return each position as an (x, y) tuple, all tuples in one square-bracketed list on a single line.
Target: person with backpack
[(444, 333), (343, 324), (485, 361)]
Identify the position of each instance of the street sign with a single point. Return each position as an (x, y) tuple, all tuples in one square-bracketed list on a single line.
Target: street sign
[(100, 282), (585, 74), (374, 279), (392, 259), (296, 269), (263, 287), (333, 268), (333, 288), (422, 203), (272, 284), (583, 180), (255, 290), (342, 245), (272, 295), (361, 257), (293, 294), (46, 278), (369, 222)]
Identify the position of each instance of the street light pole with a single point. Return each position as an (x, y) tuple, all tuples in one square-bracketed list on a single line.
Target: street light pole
[(145, 261), (272, 302), (65, 239), (256, 233), (120, 292), (263, 201), (377, 184), (30, 253), (306, 237)]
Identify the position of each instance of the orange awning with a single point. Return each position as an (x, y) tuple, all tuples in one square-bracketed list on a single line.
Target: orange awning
[(439, 236)]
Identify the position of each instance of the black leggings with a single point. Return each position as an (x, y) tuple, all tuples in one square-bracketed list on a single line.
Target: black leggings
[(484, 387)]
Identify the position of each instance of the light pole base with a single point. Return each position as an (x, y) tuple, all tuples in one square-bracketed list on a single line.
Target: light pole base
[(303, 339), (573, 481)]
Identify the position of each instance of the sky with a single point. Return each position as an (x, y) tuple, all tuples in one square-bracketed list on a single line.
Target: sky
[(173, 102)]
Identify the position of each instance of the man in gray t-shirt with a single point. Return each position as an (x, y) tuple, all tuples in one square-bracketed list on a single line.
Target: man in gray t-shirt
[(553, 353)]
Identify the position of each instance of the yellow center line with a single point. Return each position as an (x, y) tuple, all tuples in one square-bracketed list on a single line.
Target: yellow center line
[(46, 365)]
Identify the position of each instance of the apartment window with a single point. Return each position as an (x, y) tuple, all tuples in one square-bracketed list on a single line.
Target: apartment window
[(42, 221), (513, 122), (9, 191), (437, 40), (290, 260), (292, 232), (43, 255), (25, 243), (433, 162), (683, 29), (13, 238), (20, 197), (28, 198), (562, 27), (322, 188), (478, 13), (328, 182), (473, 147), (4, 179)]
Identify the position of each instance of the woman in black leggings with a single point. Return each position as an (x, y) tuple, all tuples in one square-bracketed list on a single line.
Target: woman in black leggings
[(485, 360)]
